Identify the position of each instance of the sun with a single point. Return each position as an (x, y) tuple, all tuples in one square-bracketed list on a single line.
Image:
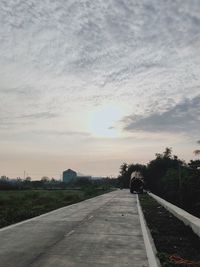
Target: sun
[(103, 120)]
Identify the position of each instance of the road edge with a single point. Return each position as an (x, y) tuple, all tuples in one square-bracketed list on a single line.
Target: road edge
[(148, 240)]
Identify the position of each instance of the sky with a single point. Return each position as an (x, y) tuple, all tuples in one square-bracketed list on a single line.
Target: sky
[(88, 85)]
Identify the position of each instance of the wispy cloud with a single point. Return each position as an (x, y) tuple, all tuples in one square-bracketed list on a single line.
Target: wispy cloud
[(39, 115), (7, 122), (62, 133)]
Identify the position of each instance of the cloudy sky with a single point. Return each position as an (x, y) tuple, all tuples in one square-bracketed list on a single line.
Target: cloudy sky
[(89, 84)]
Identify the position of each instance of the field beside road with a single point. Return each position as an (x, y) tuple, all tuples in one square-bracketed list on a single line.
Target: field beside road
[(19, 205)]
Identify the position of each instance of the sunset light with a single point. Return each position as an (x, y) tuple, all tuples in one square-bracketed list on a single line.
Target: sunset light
[(104, 120)]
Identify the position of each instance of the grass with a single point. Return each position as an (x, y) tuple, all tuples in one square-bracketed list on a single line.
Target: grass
[(19, 205), (176, 243)]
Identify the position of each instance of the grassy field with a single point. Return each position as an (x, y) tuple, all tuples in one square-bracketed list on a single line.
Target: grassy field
[(176, 244), (16, 206)]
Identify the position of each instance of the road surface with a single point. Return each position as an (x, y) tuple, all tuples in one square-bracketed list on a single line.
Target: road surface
[(102, 231)]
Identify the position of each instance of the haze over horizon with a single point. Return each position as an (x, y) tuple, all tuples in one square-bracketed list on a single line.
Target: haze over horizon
[(88, 85)]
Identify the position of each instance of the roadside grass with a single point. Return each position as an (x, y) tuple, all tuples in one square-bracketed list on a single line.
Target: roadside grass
[(175, 242), (19, 205)]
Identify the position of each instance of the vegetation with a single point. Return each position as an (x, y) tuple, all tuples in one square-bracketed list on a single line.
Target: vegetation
[(18, 205), (176, 244), (170, 178), (21, 199), (197, 151), (46, 183)]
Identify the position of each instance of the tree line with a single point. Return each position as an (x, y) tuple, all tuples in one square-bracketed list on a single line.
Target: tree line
[(46, 183)]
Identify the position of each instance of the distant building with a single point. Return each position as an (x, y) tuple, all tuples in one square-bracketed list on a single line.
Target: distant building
[(69, 175)]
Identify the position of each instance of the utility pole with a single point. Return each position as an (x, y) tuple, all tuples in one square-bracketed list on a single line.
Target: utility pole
[(180, 183)]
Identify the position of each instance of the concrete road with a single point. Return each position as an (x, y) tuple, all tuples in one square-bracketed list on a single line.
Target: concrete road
[(102, 231)]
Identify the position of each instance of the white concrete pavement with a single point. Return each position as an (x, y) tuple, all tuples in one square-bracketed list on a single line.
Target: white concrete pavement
[(102, 231)]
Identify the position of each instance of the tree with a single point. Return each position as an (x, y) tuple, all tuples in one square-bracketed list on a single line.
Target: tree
[(28, 179), (197, 151), (123, 169), (194, 164), (26, 183), (123, 177), (167, 153), (45, 179), (4, 178), (157, 168)]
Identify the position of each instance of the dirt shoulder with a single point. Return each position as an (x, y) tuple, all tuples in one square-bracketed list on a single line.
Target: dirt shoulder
[(176, 243)]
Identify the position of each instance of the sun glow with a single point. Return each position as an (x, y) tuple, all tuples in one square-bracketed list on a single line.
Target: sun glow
[(103, 121)]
